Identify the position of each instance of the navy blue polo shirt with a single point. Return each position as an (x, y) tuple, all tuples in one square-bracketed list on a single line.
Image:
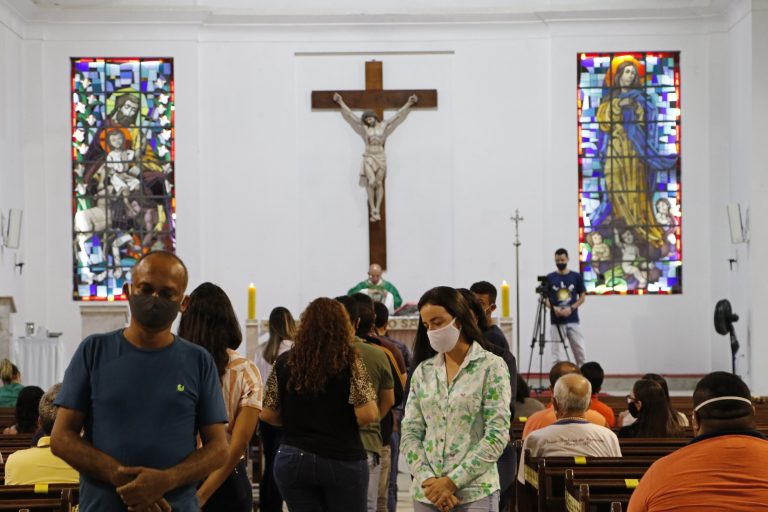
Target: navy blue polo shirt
[(142, 407)]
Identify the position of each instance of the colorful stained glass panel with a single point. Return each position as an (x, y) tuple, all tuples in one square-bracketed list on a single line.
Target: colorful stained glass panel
[(123, 197), (629, 172)]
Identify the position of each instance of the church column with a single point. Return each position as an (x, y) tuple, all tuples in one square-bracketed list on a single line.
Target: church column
[(7, 306), (758, 206)]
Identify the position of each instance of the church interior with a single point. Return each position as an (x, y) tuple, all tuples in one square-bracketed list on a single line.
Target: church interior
[(260, 173)]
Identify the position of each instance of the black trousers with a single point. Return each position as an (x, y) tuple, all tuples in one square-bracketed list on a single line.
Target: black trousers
[(234, 495), (270, 499)]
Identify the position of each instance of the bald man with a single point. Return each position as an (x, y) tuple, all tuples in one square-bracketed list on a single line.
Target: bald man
[(143, 395), (378, 289), (572, 434)]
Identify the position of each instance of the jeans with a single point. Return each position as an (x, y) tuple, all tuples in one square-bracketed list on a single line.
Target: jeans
[(573, 336), (374, 472), (270, 499), (311, 483), (234, 494), (487, 504)]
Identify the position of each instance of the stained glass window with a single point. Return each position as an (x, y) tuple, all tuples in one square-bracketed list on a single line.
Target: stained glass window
[(629, 172), (123, 201)]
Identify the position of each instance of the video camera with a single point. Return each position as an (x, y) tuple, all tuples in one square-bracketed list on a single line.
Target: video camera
[(543, 284)]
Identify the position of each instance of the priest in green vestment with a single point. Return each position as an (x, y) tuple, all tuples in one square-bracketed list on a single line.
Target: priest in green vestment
[(378, 289)]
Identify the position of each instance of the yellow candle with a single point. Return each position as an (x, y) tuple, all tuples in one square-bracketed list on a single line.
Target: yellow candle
[(504, 299), (252, 302)]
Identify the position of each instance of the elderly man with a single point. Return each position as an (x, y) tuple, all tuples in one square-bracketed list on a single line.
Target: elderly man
[(725, 467), (378, 289), (143, 396), (38, 465), (571, 434), (547, 417)]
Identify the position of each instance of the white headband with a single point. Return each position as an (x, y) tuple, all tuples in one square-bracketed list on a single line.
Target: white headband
[(719, 398)]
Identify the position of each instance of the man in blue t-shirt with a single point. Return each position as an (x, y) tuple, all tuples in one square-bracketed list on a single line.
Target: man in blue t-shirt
[(143, 395), (566, 295)]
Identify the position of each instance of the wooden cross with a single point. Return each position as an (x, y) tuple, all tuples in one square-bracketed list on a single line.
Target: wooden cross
[(377, 99)]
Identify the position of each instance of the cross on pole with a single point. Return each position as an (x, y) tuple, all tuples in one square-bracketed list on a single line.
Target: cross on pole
[(377, 99), (517, 219)]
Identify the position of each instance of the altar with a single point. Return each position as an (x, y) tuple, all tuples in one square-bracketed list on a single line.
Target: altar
[(402, 328), (40, 360)]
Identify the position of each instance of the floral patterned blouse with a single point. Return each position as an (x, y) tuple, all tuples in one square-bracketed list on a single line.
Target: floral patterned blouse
[(458, 430)]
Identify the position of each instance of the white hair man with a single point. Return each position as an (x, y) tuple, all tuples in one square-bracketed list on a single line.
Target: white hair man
[(571, 434)]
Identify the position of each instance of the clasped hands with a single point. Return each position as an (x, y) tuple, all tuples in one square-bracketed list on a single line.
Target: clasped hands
[(563, 312), (142, 489), (440, 491)]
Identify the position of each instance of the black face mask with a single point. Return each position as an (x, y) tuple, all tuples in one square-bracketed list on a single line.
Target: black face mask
[(632, 408), (561, 266), (152, 312)]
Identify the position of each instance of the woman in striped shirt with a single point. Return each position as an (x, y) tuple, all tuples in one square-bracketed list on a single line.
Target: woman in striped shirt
[(210, 321)]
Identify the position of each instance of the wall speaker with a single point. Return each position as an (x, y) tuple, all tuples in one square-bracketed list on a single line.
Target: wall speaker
[(13, 232)]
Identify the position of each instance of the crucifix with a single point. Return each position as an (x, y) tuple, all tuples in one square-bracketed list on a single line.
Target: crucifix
[(374, 129), (517, 219)]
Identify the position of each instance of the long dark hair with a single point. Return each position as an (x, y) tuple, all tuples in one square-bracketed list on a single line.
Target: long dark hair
[(655, 418), (450, 299), (282, 326), (211, 322), (661, 381), (27, 409), (323, 346)]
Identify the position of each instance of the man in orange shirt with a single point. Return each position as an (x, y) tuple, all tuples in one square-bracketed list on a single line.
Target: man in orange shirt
[(725, 467), (593, 372), (547, 417)]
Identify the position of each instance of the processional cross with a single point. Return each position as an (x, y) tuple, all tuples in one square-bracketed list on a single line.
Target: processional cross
[(375, 98)]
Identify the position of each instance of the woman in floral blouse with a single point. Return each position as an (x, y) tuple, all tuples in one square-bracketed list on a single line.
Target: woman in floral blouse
[(457, 417)]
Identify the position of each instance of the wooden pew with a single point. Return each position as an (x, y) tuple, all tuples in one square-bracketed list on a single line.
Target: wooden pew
[(544, 487), (7, 417), (48, 498), (590, 492)]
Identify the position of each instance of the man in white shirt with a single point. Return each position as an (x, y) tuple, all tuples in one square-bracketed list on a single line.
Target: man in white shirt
[(571, 434)]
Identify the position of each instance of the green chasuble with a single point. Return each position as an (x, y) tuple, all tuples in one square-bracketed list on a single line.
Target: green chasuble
[(381, 287)]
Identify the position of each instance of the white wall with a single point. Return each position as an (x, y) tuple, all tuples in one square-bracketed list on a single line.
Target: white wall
[(267, 188), (11, 168)]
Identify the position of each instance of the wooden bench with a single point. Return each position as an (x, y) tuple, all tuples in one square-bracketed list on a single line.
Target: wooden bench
[(544, 487), (42, 498), (586, 491)]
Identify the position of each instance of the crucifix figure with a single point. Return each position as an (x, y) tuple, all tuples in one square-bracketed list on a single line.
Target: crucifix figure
[(375, 129), (374, 132)]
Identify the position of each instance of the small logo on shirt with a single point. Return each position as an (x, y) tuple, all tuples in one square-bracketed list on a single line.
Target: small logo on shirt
[(179, 387)]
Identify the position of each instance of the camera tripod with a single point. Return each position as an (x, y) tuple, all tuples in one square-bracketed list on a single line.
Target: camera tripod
[(539, 336)]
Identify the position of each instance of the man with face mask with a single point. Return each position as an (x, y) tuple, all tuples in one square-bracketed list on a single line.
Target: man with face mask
[(723, 467), (566, 293), (142, 395)]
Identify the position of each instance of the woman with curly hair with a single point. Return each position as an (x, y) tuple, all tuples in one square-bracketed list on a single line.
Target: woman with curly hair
[(320, 392), (210, 321)]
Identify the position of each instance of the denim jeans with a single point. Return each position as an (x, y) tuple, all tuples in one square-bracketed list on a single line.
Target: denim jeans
[(311, 483)]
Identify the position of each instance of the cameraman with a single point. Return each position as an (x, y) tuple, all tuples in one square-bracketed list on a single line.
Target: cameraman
[(565, 293)]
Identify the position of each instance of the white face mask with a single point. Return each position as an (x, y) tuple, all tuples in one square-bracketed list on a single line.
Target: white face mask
[(443, 340)]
